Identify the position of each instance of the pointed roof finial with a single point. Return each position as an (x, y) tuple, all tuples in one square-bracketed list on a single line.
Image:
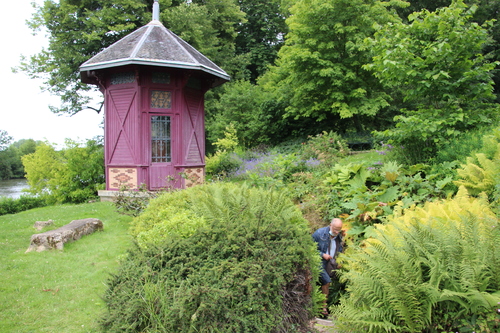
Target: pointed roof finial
[(156, 11)]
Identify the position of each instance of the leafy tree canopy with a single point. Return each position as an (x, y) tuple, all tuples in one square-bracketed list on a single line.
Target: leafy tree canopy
[(436, 63), (261, 37), (5, 139), (319, 70), (486, 10), (71, 175), (78, 30)]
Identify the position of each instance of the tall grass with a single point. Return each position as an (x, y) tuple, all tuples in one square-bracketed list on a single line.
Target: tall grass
[(58, 291)]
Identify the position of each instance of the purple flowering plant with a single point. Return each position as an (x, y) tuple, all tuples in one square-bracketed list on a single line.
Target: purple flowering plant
[(273, 165)]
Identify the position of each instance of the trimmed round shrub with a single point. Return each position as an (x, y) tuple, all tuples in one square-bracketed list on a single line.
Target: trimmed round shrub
[(249, 265)]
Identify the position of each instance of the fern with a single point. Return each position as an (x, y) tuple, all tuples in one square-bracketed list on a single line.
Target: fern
[(478, 175), (426, 269)]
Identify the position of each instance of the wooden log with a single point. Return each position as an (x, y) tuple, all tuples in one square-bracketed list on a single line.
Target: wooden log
[(39, 225), (55, 239)]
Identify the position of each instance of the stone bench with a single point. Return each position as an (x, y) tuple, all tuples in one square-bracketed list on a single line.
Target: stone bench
[(55, 239)]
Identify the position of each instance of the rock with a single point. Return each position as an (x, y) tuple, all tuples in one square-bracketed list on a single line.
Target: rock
[(39, 225), (55, 239)]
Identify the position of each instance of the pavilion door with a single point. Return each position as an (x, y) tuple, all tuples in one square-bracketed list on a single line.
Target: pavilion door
[(161, 167)]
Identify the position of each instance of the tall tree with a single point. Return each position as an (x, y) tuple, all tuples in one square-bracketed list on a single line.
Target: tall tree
[(11, 154), (486, 10), (79, 29), (436, 62), (262, 35), (5, 156), (319, 71), (5, 139), (211, 26)]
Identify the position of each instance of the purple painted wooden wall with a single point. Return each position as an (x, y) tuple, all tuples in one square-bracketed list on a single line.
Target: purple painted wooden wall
[(128, 140)]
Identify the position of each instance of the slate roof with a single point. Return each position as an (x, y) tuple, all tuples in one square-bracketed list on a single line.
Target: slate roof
[(152, 45)]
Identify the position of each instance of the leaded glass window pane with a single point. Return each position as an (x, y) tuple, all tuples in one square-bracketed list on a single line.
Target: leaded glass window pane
[(161, 77), (160, 139), (161, 99), (194, 83), (121, 78)]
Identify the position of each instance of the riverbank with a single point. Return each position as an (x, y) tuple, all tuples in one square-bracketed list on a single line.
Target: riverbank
[(13, 188)]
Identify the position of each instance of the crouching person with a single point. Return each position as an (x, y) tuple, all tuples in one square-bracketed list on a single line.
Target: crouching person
[(330, 244)]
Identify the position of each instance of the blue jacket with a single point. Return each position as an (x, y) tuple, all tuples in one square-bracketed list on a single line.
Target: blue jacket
[(322, 238)]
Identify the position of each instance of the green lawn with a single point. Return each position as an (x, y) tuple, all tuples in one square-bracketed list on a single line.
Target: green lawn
[(58, 291)]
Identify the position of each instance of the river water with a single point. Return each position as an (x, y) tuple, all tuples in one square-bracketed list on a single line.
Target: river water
[(12, 188)]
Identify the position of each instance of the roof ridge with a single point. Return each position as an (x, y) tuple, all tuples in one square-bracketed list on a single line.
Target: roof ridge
[(182, 46), (141, 41)]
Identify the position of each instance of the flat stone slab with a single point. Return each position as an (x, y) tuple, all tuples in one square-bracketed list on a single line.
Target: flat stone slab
[(55, 239)]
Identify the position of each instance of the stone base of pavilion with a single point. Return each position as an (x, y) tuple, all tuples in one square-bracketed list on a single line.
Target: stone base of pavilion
[(106, 195)]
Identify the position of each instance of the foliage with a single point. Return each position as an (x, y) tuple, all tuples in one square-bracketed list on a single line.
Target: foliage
[(210, 26), (364, 193), (479, 174), (225, 159), (275, 167), (13, 206), (240, 106), (435, 62), (5, 165), (5, 139), (132, 202), (327, 147), (481, 171), (77, 30), (221, 164), (466, 144), (72, 175), (11, 165), (433, 268), (319, 69), (486, 11), (261, 36), (226, 273), (269, 168), (37, 288)]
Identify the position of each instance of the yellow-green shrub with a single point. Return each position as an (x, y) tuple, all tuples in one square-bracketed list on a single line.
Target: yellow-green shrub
[(434, 268)]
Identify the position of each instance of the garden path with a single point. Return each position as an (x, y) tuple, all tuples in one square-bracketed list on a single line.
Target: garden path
[(324, 326)]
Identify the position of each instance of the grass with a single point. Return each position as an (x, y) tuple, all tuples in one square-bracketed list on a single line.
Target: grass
[(58, 291)]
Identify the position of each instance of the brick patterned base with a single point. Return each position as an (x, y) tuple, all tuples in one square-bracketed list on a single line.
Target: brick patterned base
[(122, 177), (194, 176)]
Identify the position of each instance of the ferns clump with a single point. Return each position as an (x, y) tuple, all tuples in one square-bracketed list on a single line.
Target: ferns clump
[(431, 269), (481, 173), (246, 264)]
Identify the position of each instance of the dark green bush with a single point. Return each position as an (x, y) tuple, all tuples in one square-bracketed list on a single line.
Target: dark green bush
[(250, 266), (13, 206), (467, 144)]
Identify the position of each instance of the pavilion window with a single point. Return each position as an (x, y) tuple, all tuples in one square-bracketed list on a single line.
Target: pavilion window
[(160, 139), (122, 78), (161, 99), (161, 77)]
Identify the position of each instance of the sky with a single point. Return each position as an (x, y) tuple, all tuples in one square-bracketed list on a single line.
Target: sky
[(24, 108)]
